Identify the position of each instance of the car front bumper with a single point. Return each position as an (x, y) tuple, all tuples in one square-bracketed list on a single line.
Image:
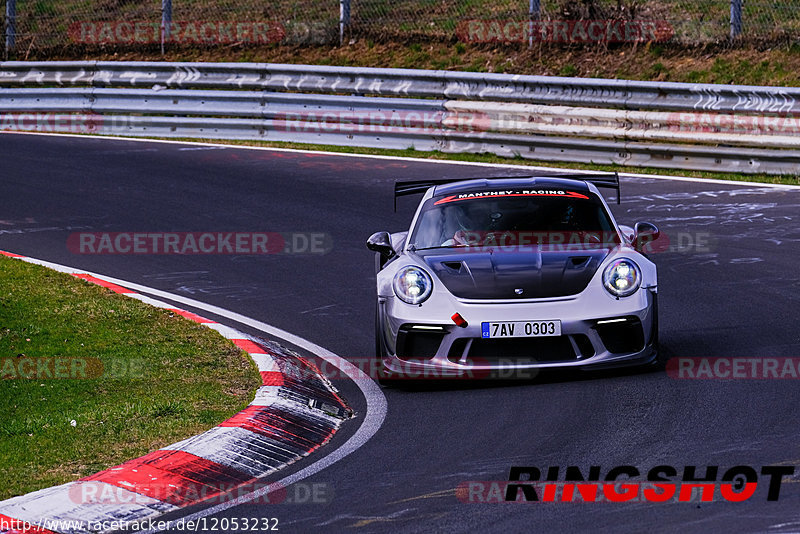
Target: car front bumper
[(596, 332)]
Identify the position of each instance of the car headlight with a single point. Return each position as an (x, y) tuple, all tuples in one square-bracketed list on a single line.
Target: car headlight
[(622, 278), (412, 285)]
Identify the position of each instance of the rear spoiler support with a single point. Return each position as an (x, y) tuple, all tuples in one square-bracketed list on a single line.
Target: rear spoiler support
[(607, 180), (419, 186)]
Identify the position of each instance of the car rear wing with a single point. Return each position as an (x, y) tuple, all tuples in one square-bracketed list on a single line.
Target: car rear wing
[(418, 186), (607, 180)]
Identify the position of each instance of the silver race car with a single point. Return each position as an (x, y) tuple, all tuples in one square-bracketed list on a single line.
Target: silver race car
[(513, 274)]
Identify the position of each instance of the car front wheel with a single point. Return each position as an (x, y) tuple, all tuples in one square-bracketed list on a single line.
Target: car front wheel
[(384, 377)]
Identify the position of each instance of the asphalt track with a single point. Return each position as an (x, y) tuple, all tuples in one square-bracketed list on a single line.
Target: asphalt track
[(737, 295)]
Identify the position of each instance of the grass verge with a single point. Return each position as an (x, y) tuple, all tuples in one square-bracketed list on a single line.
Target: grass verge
[(778, 66), (133, 378)]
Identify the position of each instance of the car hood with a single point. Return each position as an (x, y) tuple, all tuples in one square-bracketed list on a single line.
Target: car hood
[(502, 275)]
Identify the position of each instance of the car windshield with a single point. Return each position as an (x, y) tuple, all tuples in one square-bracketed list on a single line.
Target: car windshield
[(510, 218)]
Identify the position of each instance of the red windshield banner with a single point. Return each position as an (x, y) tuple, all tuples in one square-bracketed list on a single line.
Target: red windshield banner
[(506, 194)]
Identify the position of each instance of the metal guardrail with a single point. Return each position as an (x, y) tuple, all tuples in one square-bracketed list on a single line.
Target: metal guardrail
[(622, 94), (744, 129)]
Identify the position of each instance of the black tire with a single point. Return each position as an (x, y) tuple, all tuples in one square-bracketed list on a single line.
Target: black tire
[(384, 378), (660, 361), (380, 352)]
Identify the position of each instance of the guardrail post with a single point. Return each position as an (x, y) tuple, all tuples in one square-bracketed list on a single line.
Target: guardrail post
[(166, 22), (736, 18), (533, 14), (11, 26), (344, 18)]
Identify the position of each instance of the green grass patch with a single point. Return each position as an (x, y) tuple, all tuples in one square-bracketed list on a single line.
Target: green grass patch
[(568, 70), (134, 378)]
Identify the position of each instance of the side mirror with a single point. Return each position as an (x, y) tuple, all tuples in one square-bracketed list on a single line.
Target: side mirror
[(381, 243), (627, 231), (643, 234)]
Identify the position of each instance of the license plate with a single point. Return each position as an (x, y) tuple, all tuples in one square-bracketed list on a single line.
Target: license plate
[(521, 329)]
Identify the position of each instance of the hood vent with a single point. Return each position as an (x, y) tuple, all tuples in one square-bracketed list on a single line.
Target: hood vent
[(500, 275), (454, 265)]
